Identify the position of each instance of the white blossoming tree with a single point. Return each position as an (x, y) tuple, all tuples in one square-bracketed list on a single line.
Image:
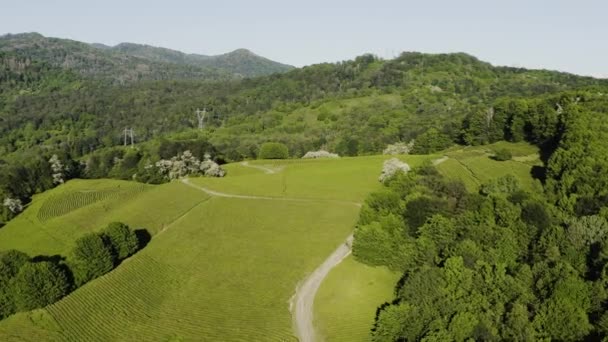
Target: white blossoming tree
[(187, 164), (319, 154), (58, 169), (391, 167), (13, 204)]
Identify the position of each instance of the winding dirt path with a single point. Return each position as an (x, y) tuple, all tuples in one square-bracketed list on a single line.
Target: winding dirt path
[(265, 169), (301, 303)]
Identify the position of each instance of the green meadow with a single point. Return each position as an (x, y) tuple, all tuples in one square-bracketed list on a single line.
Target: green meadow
[(219, 268)]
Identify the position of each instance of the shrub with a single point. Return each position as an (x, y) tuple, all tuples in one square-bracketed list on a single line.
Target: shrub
[(502, 155), (122, 240), (38, 285), (273, 150), (91, 258), (319, 154)]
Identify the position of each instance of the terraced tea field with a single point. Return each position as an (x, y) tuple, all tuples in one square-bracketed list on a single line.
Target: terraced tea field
[(60, 204)]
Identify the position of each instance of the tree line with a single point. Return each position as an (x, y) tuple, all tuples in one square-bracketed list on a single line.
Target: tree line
[(30, 283)]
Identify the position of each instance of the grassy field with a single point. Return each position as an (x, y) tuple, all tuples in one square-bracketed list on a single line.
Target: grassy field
[(346, 303), (216, 268), (474, 165), (344, 179)]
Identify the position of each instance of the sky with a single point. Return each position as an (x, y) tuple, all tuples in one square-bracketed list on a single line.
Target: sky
[(561, 35)]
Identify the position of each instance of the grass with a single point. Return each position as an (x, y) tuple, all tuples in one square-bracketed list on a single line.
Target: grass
[(474, 165), (224, 271), (347, 300), (150, 209), (344, 179), (216, 268)]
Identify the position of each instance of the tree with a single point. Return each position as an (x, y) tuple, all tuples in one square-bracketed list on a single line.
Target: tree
[(431, 141), (39, 284), (273, 150), (11, 262), (92, 258), (122, 240)]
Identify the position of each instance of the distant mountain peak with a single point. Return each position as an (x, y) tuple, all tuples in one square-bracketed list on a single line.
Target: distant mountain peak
[(127, 62)]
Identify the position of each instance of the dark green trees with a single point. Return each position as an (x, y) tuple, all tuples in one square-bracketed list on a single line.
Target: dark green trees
[(95, 254), (431, 141), (273, 150), (91, 258), (39, 284), (122, 240)]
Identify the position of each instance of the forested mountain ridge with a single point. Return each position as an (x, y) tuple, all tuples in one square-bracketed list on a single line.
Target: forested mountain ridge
[(129, 62), (355, 107), (240, 62)]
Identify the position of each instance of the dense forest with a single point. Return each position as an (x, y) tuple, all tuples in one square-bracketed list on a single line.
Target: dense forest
[(501, 264)]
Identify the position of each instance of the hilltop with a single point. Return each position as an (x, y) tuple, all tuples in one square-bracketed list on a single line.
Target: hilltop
[(128, 62)]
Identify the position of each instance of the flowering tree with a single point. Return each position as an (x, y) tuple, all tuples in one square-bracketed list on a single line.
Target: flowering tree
[(58, 169), (187, 164), (13, 204), (319, 154), (391, 167)]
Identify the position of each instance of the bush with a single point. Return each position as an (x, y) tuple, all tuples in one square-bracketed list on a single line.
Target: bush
[(502, 155), (122, 240), (273, 150), (38, 285), (92, 258)]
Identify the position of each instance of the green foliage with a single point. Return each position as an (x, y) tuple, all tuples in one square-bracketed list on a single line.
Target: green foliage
[(273, 150), (39, 284), (503, 154), (504, 266), (431, 141), (91, 258), (122, 240)]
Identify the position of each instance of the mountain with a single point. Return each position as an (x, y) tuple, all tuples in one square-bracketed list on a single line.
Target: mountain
[(128, 62), (239, 62)]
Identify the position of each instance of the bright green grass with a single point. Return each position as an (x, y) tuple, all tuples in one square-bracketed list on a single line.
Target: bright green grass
[(344, 179), (73, 196), (474, 165), (217, 269), (150, 209), (346, 303), (453, 169), (223, 272)]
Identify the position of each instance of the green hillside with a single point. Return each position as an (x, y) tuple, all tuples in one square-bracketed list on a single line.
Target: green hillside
[(218, 282), (217, 266)]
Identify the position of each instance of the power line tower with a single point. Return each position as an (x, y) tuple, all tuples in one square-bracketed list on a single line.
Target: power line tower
[(129, 132), (200, 115)]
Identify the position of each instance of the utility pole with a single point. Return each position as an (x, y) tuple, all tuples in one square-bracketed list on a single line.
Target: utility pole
[(129, 132), (200, 115)]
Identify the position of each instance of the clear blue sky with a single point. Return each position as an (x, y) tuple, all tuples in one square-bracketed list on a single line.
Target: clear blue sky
[(564, 35)]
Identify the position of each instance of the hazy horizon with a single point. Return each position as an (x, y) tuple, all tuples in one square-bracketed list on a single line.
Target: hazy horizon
[(556, 35)]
